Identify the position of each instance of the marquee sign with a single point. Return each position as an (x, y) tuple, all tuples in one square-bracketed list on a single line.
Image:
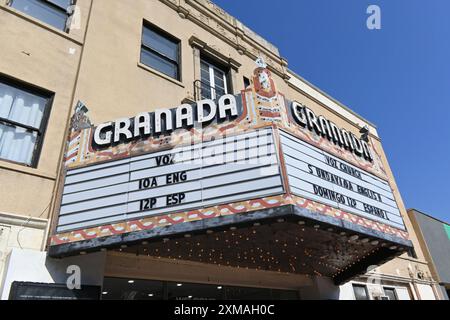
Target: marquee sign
[(306, 118), (317, 175), (251, 151), (221, 171)]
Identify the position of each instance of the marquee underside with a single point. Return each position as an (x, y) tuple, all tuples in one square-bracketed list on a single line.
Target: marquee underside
[(285, 239)]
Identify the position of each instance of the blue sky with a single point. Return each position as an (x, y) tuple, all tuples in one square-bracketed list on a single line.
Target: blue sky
[(397, 77)]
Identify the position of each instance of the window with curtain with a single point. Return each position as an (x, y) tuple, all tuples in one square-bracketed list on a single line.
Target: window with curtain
[(22, 123), (52, 12), (160, 51), (213, 80)]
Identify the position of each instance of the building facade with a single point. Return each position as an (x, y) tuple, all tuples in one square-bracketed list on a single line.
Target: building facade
[(434, 237), (70, 69)]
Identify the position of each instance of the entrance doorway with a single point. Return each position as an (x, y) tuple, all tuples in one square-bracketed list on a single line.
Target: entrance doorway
[(134, 289)]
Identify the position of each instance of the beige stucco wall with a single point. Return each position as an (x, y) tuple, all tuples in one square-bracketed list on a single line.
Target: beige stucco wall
[(36, 54), (113, 84)]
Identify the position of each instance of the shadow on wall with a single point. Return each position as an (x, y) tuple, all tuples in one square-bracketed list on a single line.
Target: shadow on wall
[(36, 267)]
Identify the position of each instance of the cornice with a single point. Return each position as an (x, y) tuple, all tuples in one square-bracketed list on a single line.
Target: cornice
[(198, 43), (215, 20), (22, 221)]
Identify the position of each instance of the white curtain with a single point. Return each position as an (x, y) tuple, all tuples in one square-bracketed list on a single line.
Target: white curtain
[(16, 143)]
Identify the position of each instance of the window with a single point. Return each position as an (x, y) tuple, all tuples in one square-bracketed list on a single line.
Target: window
[(247, 82), (160, 51), (412, 253), (390, 292), (23, 118), (360, 292), (213, 80), (52, 12)]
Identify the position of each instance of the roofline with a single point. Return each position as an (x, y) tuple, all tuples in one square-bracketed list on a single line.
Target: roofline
[(331, 98), (426, 214)]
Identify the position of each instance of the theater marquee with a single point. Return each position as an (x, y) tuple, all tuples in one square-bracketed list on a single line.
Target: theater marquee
[(221, 171), (214, 163)]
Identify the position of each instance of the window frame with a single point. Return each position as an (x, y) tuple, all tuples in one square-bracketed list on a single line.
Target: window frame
[(390, 288), (212, 65), (51, 5), (168, 36), (360, 286), (41, 131)]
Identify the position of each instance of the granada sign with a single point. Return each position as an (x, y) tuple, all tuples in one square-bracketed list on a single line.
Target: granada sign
[(204, 112)]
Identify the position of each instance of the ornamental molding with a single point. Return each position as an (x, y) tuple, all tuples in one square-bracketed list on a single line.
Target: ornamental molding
[(204, 47), (215, 20)]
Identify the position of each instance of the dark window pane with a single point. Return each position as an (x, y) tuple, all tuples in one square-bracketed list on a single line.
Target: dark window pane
[(205, 77), (216, 77), (159, 43), (162, 65), (219, 82), (121, 289), (390, 292), (206, 91), (360, 292), (284, 295), (189, 291), (204, 67), (42, 11), (246, 82), (235, 293)]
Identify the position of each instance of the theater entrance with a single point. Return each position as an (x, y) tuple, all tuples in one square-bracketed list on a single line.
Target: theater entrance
[(133, 289)]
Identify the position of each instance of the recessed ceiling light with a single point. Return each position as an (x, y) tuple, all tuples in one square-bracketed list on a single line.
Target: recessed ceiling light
[(179, 284), (150, 294), (190, 297), (219, 288), (104, 293), (130, 281)]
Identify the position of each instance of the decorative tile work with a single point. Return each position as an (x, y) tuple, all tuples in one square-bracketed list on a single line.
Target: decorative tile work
[(217, 211)]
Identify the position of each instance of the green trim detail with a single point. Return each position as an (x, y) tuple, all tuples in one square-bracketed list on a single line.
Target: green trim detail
[(447, 230)]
